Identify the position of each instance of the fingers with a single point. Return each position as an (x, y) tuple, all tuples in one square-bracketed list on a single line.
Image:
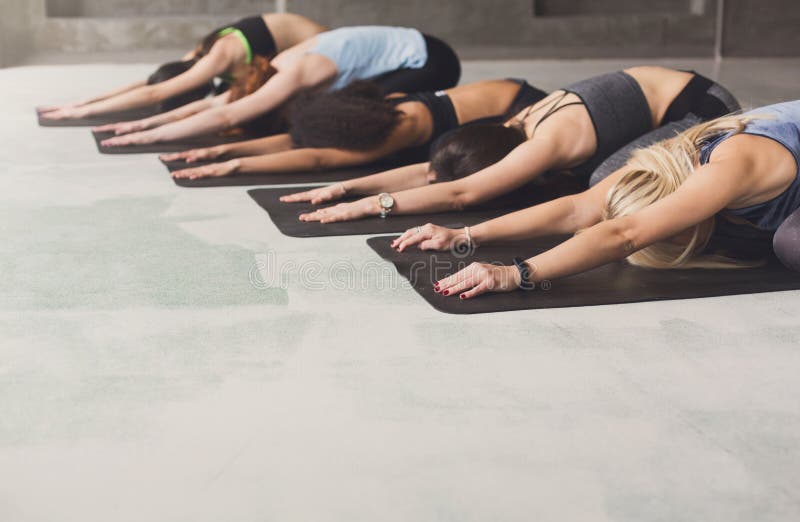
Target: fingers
[(482, 288), (322, 196), (128, 139), (194, 173), (172, 156), (299, 196), (459, 277), (329, 215), (311, 216), (405, 235), (105, 128), (414, 239)]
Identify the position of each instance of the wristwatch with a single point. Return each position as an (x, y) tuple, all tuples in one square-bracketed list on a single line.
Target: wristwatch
[(525, 273), (386, 201)]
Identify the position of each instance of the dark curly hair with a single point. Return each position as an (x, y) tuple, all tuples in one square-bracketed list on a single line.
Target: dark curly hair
[(471, 148), (357, 117), (171, 70)]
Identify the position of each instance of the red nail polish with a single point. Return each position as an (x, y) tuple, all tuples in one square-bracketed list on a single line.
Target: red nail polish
[(445, 292), (462, 296)]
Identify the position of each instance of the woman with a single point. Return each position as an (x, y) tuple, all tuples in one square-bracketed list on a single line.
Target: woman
[(577, 129), (723, 194), (358, 125), (394, 57), (233, 54)]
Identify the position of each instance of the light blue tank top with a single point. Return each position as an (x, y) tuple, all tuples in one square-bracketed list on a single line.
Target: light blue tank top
[(781, 123), (361, 53)]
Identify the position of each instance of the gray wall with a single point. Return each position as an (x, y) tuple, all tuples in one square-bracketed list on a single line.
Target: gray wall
[(477, 28)]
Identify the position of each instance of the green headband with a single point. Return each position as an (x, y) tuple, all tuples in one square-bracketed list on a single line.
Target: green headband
[(242, 38)]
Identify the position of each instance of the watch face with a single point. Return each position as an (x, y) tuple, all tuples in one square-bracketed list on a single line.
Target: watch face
[(387, 201)]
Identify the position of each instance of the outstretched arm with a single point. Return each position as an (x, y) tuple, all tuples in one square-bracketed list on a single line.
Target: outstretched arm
[(298, 160), (565, 215), (268, 145), (709, 190), (201, 73), (402, 178), (49, 109), (186, 111), (521, 166), (308, 71)]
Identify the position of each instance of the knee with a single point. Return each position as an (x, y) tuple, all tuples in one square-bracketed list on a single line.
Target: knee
[(786, 243)]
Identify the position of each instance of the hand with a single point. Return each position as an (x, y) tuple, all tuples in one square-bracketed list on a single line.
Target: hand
[(344, 211), (50, 108), (66, 113), (479, 278), (137, 138), (429, 237), (215, 170), (190, 156), (124, 127), (317, 195)]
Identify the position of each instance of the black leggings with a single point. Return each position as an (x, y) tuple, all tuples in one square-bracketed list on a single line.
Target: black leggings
[(441, 71), (786, 242)]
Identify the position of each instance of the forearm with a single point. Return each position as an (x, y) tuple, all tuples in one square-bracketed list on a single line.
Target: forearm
[(553, 217), (180, 113), (601, 244), (290, 161), (113, 93), (403, 178), (133, 99), (268, 145), (199, 124)]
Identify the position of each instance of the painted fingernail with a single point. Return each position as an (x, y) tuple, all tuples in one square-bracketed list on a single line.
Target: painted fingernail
[(446, 292), (462, 296)]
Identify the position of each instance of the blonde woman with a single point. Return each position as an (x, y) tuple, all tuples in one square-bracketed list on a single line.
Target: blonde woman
[(720, 195)]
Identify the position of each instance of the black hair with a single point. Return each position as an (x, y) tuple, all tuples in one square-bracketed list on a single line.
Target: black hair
[(171, 70), (357, 117), (471, 148)]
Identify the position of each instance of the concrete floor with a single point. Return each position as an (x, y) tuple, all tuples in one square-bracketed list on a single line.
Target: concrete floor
[(150, 372)]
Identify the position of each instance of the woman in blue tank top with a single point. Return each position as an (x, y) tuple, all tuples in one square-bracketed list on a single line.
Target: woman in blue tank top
[(398, 59), (663, 209)]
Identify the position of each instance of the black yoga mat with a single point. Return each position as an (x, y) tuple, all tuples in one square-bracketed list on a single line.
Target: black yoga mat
[(611, 284), (94, 121), (277, 178), (171, 146), (285, 215)]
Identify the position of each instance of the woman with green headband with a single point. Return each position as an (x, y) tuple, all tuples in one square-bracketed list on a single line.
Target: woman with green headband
[(239, 55)]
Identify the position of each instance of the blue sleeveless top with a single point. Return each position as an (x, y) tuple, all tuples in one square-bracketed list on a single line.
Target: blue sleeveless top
[(361, 53), (782, 126)]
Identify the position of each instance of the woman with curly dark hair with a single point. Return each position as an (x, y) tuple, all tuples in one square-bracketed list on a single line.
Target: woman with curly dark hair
[(359, 125), (237, 55)]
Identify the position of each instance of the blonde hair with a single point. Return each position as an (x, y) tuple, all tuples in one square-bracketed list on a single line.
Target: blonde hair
[(657, 171)]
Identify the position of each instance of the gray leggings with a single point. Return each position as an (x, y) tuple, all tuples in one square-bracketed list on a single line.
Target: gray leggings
[(786, 242)]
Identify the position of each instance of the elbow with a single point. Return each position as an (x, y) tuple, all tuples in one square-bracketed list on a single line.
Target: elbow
[(624, 236), (463, 199), (153, 95), (226, 120)]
